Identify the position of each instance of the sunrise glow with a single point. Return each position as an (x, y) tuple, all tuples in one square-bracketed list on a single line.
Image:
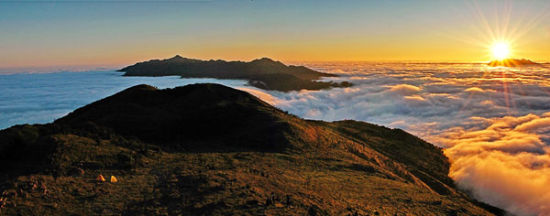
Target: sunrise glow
[(500, 50), (225, 107)]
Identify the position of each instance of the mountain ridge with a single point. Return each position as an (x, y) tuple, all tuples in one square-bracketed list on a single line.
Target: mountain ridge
[(262, 73), (207, 149)]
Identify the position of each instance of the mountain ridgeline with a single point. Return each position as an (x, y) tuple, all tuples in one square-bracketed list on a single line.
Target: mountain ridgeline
[(262, 73), (207, 149), (514, 63)]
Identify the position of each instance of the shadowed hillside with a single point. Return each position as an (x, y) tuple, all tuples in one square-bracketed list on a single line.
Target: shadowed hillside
[(262, 73), (207, 149)]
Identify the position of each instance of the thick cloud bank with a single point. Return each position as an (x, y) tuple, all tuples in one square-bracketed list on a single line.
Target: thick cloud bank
[(506, 163), (493, 122)]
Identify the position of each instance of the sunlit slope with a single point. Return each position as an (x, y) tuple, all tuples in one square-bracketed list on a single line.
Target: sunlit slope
[(207, 149)]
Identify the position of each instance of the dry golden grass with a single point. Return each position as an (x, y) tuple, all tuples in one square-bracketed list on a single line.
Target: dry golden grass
[(336, 183)]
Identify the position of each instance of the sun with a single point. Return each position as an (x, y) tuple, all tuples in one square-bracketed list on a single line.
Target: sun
[(500, 50)]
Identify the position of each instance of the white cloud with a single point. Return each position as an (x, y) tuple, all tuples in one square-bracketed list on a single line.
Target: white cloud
[(506, 164), (494, 124), (474, 89)]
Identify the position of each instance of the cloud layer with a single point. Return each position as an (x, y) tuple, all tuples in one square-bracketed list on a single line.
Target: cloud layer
[(43, 97), (493, 122), (506, 163)]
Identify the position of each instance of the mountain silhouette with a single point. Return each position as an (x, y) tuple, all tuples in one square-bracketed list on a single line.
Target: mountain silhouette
[(513, 63), (263, 73), (207, 149)]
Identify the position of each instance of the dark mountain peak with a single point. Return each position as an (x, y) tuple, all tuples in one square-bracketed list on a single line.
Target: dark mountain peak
[(177, 57), (270, 64), (194, 113), (198, 94), (263, 73), (264, 60), (141, 87)]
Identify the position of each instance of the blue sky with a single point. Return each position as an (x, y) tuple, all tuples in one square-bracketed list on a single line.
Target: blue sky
[(50, 33)]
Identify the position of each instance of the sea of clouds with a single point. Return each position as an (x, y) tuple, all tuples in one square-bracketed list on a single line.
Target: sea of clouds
[(44, 97), (494, 123)]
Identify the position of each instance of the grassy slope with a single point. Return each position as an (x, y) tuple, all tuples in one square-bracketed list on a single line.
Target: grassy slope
[(335, 168)]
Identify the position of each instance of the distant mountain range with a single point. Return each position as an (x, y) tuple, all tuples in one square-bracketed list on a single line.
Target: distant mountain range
[(207, 149), (512, 63), (262, 73)]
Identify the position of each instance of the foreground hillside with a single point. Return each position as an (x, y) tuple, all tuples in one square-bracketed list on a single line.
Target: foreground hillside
[(262, 73), (207, 149)]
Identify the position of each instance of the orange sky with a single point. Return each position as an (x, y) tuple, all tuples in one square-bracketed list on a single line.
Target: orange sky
[(117, 34)]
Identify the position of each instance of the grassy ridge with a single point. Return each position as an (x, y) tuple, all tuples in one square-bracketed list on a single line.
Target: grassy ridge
[(208, 149)]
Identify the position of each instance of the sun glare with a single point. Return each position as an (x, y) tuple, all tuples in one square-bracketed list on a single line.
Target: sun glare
[(500, 50)]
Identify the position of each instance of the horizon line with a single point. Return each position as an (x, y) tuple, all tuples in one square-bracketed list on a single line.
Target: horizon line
[(90, 67)]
